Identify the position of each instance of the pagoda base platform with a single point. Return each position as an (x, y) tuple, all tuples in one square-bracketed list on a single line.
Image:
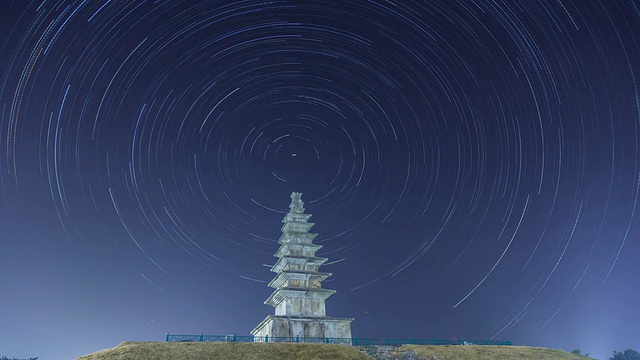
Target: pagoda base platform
[(303, 327)]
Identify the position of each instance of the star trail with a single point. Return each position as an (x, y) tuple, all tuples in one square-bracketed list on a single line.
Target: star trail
[(472, 167)]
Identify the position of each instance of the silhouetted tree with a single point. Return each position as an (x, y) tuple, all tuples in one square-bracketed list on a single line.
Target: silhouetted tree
[(579, 352), (628, 354)]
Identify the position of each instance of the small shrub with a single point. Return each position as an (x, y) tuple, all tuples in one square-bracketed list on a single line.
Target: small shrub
[(579, 352)]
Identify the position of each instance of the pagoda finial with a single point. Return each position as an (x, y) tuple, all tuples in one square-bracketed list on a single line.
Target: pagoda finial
[(297, 205)]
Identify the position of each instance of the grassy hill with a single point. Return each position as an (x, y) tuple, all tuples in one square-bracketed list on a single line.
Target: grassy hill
[(230, 351), (491, 353), (285, 351)]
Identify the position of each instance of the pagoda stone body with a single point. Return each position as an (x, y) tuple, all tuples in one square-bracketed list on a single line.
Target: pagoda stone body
[(299, 298)]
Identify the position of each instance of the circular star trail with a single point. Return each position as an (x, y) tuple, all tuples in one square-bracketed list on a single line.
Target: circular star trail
[(446, 149)]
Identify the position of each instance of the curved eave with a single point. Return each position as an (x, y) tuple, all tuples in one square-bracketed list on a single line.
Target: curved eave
[(302, 227), (309, 247), (296, 217), (297, 275), (280, 294), (291, 259), (308, 237)]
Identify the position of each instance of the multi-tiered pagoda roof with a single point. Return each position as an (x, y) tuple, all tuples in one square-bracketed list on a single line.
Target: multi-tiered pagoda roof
[(298, 282), (299, 298)]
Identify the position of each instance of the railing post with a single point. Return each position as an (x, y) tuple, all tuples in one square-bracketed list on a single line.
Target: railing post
[(266, 338), (297, 338), (234, 337), (201, 337), (326, 340), (167, 337)]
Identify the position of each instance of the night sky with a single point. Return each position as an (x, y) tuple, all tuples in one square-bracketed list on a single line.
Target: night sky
[(472, 168)]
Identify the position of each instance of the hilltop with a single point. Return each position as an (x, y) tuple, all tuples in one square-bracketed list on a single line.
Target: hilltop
[(285, 351)]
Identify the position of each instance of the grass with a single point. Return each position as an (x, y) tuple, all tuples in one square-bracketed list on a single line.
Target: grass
[(286, 351), (230, 351), (489, 352)]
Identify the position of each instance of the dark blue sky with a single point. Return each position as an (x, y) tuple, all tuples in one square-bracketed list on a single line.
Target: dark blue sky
[(472, 167)]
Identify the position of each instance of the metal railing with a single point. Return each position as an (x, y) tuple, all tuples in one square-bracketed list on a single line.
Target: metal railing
[(340, 341)]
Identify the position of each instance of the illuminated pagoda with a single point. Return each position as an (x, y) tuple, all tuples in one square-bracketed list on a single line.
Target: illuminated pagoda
[(299, 298)]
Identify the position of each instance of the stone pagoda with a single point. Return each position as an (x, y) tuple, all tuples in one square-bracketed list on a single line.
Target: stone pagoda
[(299, 298)]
